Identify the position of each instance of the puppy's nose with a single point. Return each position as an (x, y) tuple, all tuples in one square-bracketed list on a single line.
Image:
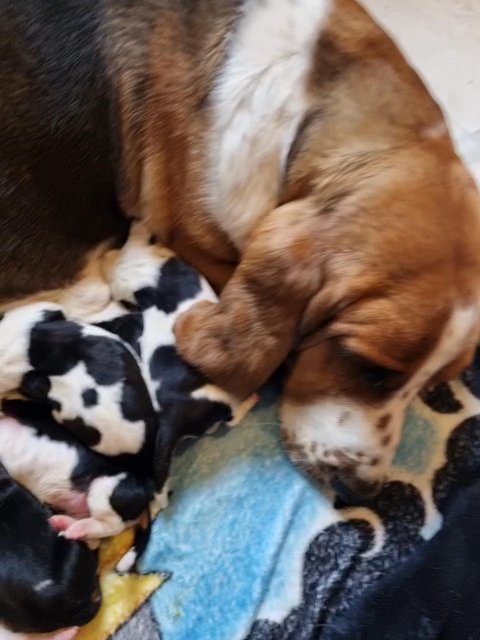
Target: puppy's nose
[(352, 490)]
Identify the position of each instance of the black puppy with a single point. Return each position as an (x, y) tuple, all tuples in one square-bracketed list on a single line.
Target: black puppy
[(46, 582)]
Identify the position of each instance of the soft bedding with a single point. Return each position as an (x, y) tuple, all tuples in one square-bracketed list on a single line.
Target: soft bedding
[(256, 552)]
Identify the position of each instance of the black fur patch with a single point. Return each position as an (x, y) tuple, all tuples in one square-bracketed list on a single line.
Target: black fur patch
[(58, 150), (106, 359), (84, 432), (185, 416), (177, 282), (55, 347), (33, 553), (90, 397), (128, 327), (176, 375), (35, 386), (130, 498)]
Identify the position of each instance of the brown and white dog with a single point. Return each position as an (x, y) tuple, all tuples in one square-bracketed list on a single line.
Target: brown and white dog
[(287, 150)]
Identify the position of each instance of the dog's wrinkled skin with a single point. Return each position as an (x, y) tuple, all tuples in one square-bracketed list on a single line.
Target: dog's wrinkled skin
[(304, 169)]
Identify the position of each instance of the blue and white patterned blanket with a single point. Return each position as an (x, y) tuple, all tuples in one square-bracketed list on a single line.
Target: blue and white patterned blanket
[(256, 552)]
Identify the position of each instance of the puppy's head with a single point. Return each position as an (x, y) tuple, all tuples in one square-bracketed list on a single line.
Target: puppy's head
[(46, 582), (397, 308)]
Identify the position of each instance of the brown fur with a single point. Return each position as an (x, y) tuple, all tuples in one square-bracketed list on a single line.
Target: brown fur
[(375, 234), (377, 237)]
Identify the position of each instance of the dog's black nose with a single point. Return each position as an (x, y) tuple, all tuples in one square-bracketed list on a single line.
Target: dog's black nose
[(352, 490)]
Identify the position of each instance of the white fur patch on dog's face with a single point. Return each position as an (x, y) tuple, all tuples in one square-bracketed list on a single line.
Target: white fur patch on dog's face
[(338, 433), (257, 106)]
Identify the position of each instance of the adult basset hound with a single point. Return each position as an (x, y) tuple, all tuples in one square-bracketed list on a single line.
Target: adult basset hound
[(287, 150)]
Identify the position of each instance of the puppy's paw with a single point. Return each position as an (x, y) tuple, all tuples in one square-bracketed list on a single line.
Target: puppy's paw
[(128, 562), (242, 409), (160, 500), (61, 523), (85, 529)]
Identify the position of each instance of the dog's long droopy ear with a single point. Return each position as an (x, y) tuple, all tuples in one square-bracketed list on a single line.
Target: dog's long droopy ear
[(240, 341)]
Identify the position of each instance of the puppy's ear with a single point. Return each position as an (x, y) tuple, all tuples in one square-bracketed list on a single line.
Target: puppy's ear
[(240, 341)]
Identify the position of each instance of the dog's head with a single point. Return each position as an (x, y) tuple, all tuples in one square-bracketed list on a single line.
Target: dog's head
[(366, 277), (372, 284), (397, 310)]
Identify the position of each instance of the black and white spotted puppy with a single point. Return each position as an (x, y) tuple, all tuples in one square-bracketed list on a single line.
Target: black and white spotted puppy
[(120, 388), (154, 287), (93, 381), (89, 397), (95, 498)]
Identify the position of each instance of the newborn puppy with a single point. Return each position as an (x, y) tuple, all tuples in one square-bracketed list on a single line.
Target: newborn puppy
[(98, 498), (155, 287), (130, 403), (91, 379), (46, 582)]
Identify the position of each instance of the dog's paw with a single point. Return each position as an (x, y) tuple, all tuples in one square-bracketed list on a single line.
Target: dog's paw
[(203, 339)]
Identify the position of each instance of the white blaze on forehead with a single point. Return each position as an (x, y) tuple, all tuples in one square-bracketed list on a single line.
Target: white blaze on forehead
[(258, 104)]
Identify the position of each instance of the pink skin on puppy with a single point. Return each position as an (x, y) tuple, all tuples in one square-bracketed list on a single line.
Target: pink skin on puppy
[(27, 453)]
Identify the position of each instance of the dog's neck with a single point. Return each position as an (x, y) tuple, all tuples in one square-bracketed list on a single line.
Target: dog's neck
[(258, 103), (225, 129)]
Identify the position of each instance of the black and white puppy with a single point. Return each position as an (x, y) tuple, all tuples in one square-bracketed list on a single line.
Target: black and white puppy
[(119, 388), (94, 497), (154, 287), (46, 582), (92, 380)]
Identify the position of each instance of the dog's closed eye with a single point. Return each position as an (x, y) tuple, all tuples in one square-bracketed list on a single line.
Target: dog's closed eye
[(370, 375), (378, 377)]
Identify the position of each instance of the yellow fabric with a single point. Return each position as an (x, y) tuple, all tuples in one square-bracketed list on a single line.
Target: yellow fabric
[(122, 595)]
